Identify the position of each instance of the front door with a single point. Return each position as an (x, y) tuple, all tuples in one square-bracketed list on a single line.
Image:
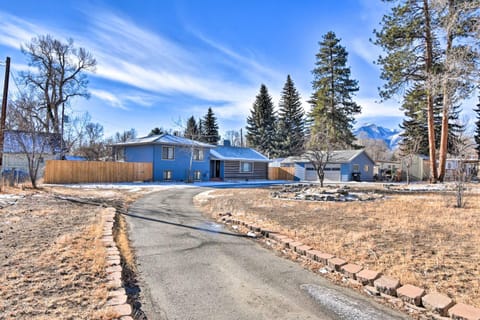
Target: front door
[(215, 169)]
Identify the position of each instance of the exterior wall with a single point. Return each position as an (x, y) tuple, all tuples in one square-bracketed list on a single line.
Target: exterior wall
[(179, 165), (363, 162), (19, 162), (231, 171)]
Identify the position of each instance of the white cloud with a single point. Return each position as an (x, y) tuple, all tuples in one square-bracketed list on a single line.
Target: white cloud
[(365, 49), (372, 108), (112, 99)]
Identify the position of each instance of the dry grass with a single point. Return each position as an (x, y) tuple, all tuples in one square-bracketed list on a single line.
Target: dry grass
[(420, 239), (53, 261), (123, 243)]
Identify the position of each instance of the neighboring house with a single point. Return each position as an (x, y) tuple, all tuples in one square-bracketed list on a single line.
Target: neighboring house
[(387, 170), (343, 166), (47, 146), (237, 163), (456, 167), (174, 158)]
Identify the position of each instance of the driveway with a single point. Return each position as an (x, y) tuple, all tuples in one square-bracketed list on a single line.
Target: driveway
[(192, 268)]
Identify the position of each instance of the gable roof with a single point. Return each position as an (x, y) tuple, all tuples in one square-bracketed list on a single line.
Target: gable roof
[(237, 154), (49, 142), (166, 139), (337, 156)]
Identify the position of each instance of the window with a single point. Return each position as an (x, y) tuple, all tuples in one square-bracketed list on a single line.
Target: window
[(246, 166), (356, 168), (198, 154), (168, 153), (197, 175), (365, 168), (167, 175)]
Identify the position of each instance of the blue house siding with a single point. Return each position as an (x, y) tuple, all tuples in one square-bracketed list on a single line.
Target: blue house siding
[(345, 172), (139, 154), (180, 165), (365, 166)]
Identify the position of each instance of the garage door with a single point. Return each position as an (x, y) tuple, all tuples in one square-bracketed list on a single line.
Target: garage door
[(310, 173), (332, 172)]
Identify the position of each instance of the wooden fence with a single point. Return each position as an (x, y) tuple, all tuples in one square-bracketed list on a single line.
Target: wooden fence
[(280, 173), (63, 171)]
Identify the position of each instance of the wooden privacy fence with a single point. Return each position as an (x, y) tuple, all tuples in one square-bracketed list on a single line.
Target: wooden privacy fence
[(281, 173), (63, 171)]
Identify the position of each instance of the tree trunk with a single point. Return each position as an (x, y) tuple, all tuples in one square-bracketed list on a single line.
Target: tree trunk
[(446, 97), (428, 69)]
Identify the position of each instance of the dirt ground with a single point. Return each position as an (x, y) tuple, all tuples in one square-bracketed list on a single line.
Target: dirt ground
[(420, 238), (52, 261)]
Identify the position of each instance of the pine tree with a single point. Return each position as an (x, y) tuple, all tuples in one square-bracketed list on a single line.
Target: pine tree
[(291, 122), (477, 129), (415, 122), (210, 128), (406, 38), (156, 131), (333, 109), (261, 124), (191, 131)]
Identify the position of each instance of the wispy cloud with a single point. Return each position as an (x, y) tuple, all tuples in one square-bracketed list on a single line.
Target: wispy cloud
[(366, 50), (372, 108)]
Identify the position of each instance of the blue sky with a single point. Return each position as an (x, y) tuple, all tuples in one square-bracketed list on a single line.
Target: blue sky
[(160, 62)]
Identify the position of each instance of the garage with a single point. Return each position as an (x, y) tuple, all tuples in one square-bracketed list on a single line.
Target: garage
[(332, 172)]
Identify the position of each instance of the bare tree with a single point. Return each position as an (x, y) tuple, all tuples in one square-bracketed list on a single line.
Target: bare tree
[(407, 152), (25, 121), (95, 149), (234, 137), (60, 74), (319, 151)]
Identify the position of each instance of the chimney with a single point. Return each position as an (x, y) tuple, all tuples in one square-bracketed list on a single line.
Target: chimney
[(226, 143)]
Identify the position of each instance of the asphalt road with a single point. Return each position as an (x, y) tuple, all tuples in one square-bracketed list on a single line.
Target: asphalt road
[(192, 268)]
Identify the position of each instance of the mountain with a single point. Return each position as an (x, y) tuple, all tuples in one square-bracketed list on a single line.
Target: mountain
[(372, 131)]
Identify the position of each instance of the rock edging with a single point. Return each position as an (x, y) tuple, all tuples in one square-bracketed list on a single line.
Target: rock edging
[(117, 297), (374, 283)]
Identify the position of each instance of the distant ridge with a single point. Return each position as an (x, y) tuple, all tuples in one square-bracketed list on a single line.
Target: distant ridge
[(373, 131)]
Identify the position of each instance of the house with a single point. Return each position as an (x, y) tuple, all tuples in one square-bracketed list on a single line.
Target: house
[(237, 163), (455, 167), (174, 158), (16, 144), (343, 166), (387, 170)]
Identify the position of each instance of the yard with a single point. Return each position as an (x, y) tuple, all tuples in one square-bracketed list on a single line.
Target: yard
[(52, 261), (419, 238)]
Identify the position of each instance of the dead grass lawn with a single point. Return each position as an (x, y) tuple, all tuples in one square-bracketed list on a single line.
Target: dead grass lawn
[(419, 238)]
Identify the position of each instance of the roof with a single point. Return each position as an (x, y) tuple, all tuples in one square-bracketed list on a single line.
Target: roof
[(337, 156), (165, 138), (237, 153), (47, 143)]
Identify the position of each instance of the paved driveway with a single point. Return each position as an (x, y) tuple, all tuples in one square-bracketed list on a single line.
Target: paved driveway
[(192, 268)]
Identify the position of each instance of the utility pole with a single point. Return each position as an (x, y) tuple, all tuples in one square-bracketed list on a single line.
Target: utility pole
[(4, 108), (241, 138)]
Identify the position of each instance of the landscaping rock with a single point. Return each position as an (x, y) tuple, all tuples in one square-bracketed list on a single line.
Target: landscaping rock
[(302, 249), (367, 277), (411, 294), (335, 264), (350, 270), (462, 311), (437, 302), (324, 257), (387, 285)]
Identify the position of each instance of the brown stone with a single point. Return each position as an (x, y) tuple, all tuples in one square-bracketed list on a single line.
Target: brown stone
[(302, 249), (116, 300), (122, 310), (411, 294), (336, 264), (367, 277), (437, 303), (323, 257), (126, 318), (114, 276), (350, 270), (285, 242), (114, 269), (387, 285), (292, 245), (462, 311), (113, 262), (255, 228)]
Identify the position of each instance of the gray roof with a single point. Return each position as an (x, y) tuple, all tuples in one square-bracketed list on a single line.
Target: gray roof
[(337, 156), (166, 139), (237, 153), (16, 141)]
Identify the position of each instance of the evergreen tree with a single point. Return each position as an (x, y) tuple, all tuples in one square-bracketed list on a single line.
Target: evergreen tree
[(191, 131), (156, 131), (477, 129), (415, 122), (406, 38), (333, 109), (210, 128), (261, 124), (291, 122)]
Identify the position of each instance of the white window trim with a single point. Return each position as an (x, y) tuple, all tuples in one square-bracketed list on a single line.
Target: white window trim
[(168, 159), (200, 151), (251, 167), (199, 175), (171, 175)]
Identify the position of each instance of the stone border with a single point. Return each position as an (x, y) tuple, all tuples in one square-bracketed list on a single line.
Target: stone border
[(373, 282), (117, 297)]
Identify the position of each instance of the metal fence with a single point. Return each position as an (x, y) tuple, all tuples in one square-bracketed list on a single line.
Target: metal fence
[(63, 171)]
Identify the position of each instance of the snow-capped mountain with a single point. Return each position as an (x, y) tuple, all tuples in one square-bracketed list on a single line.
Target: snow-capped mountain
[(372, 131)]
